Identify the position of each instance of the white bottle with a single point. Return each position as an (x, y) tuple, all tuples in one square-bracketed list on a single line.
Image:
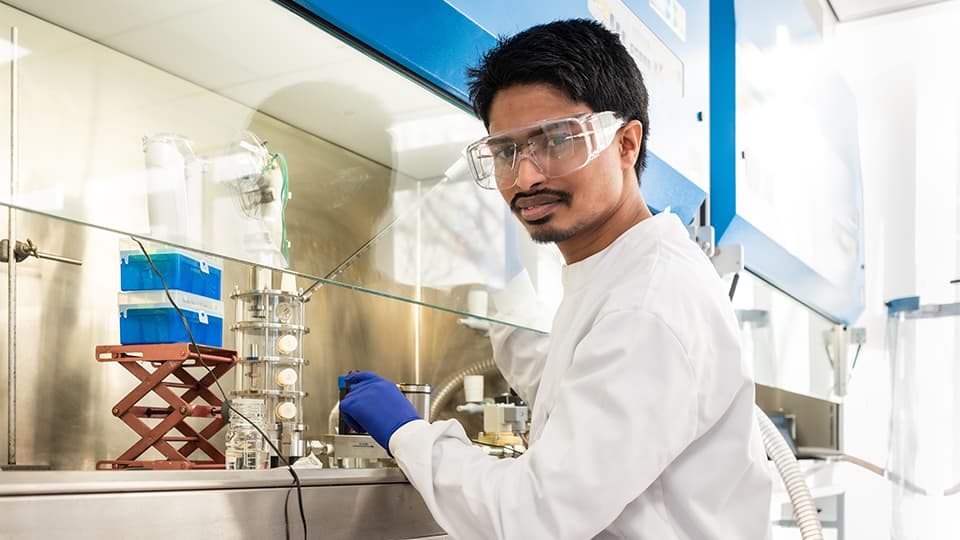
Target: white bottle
[(246, 447)]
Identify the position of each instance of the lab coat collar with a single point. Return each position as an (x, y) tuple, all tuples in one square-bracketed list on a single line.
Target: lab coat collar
[(638, 239)]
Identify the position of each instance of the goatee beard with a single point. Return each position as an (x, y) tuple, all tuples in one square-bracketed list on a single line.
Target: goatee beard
[(550, 235)]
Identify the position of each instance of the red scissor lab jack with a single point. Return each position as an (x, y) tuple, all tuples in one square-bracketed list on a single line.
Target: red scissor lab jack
[(170, 363)]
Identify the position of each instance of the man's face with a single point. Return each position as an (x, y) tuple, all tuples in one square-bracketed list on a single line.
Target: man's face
[(564, 208)]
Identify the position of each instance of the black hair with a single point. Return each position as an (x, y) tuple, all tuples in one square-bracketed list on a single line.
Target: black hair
[(579, 57)]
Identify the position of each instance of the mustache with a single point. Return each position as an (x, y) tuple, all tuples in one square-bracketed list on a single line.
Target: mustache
[(563, 196)]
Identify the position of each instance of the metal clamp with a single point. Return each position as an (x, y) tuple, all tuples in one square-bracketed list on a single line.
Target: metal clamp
[(23, 250), (836, 341)]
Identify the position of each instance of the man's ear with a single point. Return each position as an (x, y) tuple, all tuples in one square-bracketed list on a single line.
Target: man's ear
[(630, 139)]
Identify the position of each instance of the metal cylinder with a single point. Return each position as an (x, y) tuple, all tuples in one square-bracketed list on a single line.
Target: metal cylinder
[(419, 395)]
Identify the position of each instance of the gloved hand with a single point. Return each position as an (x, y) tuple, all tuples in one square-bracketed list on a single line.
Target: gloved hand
[(377, 406)]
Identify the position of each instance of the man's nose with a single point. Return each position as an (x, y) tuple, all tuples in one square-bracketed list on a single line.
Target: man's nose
[(528, 173)]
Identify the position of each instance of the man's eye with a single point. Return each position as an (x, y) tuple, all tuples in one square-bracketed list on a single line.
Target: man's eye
[(557, 141), (505, 153)]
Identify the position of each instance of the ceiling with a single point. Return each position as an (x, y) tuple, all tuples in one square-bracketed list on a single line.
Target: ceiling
[(852, 10)]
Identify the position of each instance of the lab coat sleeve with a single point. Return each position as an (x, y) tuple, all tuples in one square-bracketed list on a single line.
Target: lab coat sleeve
[(520, 354), (624, 410)]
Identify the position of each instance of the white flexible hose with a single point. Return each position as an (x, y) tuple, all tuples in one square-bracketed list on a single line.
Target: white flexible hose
[(451, 384), (804, 509)]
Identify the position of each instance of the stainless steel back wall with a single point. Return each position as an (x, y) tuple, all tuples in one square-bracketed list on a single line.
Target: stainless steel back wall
[(65, 396), (341, 200)]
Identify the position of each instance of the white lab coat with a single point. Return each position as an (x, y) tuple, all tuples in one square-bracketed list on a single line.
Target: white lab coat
[(642, 420)]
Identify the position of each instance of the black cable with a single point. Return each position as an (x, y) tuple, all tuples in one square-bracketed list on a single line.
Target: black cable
[(286, 519), (226, 402), (511, 448), (855, 357), (733, 285)]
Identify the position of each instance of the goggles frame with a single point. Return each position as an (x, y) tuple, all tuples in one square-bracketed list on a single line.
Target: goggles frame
[(597, 130)]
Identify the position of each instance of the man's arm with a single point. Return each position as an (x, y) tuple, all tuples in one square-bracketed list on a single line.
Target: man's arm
[(520, 354), (624, 410)]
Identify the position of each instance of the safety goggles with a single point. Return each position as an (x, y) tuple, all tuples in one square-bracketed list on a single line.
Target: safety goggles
[(554, 147)]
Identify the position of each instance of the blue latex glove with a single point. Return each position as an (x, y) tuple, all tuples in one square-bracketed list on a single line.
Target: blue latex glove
[(377, 406)]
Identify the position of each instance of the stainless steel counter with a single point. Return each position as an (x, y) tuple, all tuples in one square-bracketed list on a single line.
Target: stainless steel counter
[(148, 505), (82, 482)]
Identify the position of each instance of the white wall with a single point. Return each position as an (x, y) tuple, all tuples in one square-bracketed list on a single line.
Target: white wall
[(902, 68)]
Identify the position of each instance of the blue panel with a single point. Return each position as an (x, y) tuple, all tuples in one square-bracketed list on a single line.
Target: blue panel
[(909, 303), (723, 128), (840, 302), (663, 186), (434, 41), (777, 266)]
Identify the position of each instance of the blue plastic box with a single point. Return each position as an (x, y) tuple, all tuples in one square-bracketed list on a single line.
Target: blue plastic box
[(183, 270), (148, 317)]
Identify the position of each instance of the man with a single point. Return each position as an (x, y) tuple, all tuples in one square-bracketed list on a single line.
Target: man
[(642, 423)]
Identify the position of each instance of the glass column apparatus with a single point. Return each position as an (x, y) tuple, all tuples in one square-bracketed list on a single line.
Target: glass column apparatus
[(269, 334)]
